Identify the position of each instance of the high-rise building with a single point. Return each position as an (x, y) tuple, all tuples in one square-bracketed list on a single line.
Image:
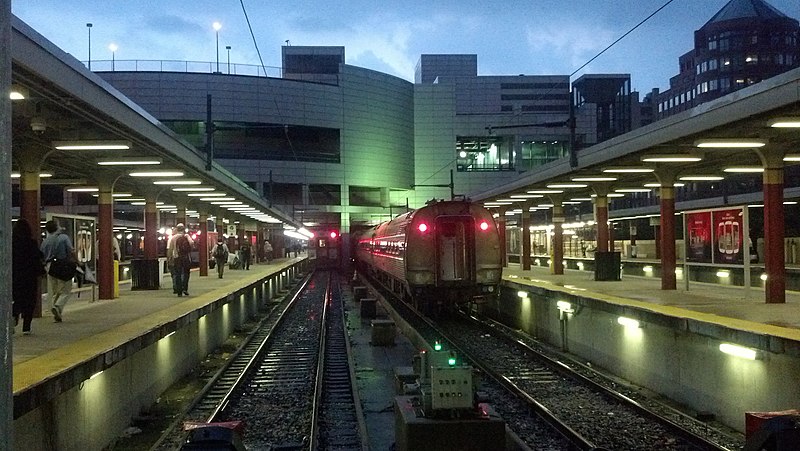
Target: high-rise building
[(745, 42)]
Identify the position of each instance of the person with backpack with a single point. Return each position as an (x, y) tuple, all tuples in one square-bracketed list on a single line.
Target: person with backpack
[(59, 256), (179, 249), (246, 253), (220, 255)]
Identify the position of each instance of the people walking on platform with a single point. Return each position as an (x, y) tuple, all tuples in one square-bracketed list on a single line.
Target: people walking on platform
[(220, 255), (267, 251), (179, 249), (245, 252), (27, 266), (59, 256)]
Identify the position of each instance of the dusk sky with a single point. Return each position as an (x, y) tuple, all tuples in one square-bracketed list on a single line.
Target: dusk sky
[(510, 37)]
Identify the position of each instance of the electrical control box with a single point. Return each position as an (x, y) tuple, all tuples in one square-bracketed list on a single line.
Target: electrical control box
[(451, 388)]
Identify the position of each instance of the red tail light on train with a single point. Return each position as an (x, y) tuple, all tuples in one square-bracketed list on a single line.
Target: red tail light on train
[(333, 234), (422, 227), (484, 226)]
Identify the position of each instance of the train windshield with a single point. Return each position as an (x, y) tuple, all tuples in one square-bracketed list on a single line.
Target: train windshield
[(454, 235)]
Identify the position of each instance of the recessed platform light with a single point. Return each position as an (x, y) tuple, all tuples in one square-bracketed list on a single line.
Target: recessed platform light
[(594, 179), (671, 158), (628, 170), (156, 174), (744, 169), (701, 178), (92, 145), (567, 185)]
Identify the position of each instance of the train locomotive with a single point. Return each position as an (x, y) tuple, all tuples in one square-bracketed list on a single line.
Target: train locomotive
[(436, 257)]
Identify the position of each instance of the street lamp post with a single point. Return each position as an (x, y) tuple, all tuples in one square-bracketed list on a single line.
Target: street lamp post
[(113, 47), (228, 48), (89, 26), (217, 26)]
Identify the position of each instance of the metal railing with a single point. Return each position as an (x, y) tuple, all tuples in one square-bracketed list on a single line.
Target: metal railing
[(205, 67)]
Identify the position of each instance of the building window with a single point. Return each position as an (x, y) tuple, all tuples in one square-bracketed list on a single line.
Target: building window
[(484, 154), (725, 83), (537, 153), (712, 85), (712, 43), (712, 64)]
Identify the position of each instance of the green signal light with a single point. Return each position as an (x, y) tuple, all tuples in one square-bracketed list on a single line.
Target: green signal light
[(451, 361), (437, 346)]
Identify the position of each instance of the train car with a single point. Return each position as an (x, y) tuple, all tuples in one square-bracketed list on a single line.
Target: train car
[(324, 249), (436, 257)]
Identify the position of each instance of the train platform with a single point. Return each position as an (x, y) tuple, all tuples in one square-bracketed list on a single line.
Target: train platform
[(93, 328), (728, 306)]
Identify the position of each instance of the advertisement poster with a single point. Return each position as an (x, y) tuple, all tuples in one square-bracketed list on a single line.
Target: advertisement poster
[(698, 231), (84, 240), (728, 236)]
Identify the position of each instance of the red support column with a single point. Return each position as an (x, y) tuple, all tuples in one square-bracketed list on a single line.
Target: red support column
[(105, 248), (601, 220), (774, 252), (558, 240), (668, 280), (150, 227), (202, 246), (29, 186), (525, 258)]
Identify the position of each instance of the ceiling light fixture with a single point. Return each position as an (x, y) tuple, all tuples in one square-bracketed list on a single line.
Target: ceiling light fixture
[(628, 170), (785, 122), (744, 169), (594, 179), (130, 162), (730, 143), (192, 189), (701, 178), (671, 158), (156, 174), (567, 185), (92, 145)]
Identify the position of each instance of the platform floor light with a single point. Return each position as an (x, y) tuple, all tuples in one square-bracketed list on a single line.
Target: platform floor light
[(740, 351), (564, 306), (628, 322)]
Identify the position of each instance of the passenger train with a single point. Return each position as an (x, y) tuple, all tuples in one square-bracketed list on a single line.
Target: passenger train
[(436, 257)]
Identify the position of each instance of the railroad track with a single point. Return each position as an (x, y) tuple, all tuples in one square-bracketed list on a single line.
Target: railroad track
[(272, 385), (566, 407), (598, 416)]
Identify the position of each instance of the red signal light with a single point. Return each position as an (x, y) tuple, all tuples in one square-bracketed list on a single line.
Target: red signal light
[(422, 227), (484, 226), (334, 234)]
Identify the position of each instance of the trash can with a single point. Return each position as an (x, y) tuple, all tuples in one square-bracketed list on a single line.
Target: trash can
[(144, 274), (606, 266)]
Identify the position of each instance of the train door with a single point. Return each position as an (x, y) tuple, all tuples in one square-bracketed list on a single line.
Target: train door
[(454, 237)]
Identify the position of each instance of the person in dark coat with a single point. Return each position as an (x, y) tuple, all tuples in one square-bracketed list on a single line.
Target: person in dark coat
[(27, 267)]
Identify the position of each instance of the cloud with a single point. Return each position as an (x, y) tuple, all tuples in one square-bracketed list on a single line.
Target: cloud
[(576, 42)]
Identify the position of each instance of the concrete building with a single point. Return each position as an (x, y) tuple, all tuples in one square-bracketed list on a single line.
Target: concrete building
[(340, 145)]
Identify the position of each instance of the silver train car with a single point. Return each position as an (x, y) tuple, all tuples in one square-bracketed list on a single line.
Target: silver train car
[(436, 257)]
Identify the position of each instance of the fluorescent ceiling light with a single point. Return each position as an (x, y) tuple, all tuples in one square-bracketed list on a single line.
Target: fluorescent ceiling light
[(701, 178), (658, 185), (633, 190), (192, 189), (730, 143), (570, 202), (156, 174), (211, 199), (581, 199), (83, 189), (178, 182), (739, 351), (18, 92), (567, 185), (545, 191), (785, 122), (594, 179), (227, 202), (92, 145), (525, 196), (510, 200), (671, 158), (744, 169), (211, 194), (16, 175), (129, 162), (792, 157), (564, 306), (628, 170)]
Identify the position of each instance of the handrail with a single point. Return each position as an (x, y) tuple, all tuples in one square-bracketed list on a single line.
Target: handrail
[(206, 67)]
